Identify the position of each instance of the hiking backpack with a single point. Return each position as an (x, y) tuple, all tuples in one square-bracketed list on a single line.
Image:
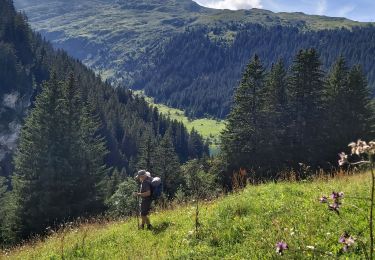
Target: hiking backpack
[(156, 188)]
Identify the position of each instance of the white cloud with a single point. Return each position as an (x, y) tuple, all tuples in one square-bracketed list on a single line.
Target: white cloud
[(231, 4), (322, 7)]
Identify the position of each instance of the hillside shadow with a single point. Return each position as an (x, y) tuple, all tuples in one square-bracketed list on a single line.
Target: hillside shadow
[(161, 227)]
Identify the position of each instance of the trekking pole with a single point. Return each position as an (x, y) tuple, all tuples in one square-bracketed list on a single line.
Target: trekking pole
[(138, 212)]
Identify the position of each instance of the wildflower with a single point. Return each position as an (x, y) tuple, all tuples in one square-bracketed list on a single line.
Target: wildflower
[(362, 147), (347, 240), (343, 159), (334, 207), (323, 199), (280, 247), (337, 195)]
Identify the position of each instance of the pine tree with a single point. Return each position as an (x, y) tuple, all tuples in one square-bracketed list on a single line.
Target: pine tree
[(276, 110), (361, 111), (306, 107), (195, 145), (242, 138), (337, 94), (167, 165), (147, 152), (59, 163)]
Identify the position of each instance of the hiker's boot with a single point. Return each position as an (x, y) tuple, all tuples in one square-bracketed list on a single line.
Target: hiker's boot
[(149, 227)]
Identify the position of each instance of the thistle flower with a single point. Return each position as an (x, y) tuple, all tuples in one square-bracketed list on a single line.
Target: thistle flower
[(323, 199), (337, 195), (347, 240), (281, 247), (334, 207)]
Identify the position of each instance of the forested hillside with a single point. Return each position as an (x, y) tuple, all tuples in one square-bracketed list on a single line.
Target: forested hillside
[(201, 76), (76, 126), (26, 61), (138, 44)]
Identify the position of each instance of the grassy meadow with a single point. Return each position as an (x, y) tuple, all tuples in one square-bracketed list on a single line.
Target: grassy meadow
[(208, 128), (244, 225)]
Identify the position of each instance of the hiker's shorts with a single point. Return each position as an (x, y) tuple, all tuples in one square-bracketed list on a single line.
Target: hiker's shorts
[(145, 207)]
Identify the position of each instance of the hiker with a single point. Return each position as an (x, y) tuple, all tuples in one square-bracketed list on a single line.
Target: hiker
[(145, 194)]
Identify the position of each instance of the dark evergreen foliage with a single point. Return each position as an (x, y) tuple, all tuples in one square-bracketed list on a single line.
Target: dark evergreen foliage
[(200, 77), (295, 120)]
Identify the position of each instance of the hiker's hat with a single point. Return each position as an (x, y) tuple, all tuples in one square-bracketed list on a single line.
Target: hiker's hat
[(140, 173)]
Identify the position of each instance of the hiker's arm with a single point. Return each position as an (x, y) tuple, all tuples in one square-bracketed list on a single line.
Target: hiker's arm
[(144, 194)]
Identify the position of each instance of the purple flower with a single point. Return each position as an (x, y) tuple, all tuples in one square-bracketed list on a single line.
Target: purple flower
[(343, 238), (347, 240), (335, 195), (323, 199), (280, 247), (334, 207)]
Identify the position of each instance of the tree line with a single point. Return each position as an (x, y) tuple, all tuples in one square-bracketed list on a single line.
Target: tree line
[(283, 118)]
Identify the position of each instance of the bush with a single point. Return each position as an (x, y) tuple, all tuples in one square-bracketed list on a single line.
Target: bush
[(123, 203)]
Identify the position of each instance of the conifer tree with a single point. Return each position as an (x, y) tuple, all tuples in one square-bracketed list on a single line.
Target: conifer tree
[(361, 111), (195, 145), (59, 164), (147, 152), (337, 107), (276, 110), (306, 107), (243, 135), (167, 165)]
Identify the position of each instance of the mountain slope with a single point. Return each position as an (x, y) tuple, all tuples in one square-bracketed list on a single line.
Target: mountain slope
[(124, 40), (245, 225), (26, 60)]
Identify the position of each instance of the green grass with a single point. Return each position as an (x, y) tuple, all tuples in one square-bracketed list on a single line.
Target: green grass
[(244, 225), (208, 128)]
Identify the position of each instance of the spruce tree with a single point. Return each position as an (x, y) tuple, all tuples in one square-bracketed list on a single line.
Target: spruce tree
[(167, 165), (337, 94), (59, 163), (276, 110), (243, 135), (147, 152), (361, 111), (306, 107), (195, 145), (349, 112)]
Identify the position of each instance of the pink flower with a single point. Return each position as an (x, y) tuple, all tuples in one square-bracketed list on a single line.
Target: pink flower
[(280, 247)]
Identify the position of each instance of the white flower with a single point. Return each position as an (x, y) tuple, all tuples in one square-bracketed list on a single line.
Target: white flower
[(343, 159)]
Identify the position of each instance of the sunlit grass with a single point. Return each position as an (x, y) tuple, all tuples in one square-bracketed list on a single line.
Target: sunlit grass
[(208, 128), (244, 225)]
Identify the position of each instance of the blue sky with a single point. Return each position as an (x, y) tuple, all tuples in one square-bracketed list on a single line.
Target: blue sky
[(359, 10)]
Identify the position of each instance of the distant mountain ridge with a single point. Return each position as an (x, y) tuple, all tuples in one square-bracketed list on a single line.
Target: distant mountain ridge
[(126, 39)]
